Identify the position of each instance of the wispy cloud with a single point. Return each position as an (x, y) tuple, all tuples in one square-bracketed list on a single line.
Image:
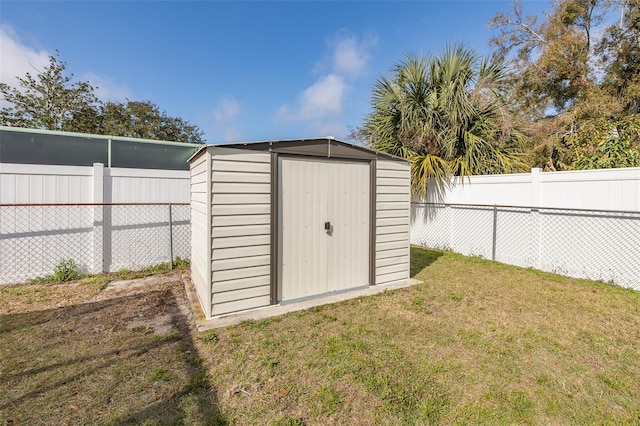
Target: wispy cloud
[(17, 58), (224, 116), (106, 89), (321, 105), (351, 55)]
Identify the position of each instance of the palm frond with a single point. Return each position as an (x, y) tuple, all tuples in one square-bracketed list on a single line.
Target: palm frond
[(425, 169), (445, 114)]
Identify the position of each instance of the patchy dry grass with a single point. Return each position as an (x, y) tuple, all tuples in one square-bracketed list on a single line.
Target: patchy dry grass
[(78, 354), (477, 343), (104, 279)]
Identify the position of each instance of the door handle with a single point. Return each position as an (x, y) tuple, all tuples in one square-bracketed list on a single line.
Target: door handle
[(329, 228)]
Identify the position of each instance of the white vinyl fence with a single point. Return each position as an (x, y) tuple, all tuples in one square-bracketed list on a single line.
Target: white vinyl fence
[(583, 224), (579, 223), (105, 219)]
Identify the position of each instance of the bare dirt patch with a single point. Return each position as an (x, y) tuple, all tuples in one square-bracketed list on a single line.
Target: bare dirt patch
[(77, 353)]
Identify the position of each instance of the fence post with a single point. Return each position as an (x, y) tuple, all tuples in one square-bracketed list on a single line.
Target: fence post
[(97, 264), (170, 239), (535, 256), (535, 186), (447, 214), (495, 232)]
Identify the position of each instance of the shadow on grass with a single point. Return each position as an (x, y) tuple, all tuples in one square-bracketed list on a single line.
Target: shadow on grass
[(86, 363), (422, 258)]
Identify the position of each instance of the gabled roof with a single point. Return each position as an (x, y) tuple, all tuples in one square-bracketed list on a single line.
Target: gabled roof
[(327, 147)]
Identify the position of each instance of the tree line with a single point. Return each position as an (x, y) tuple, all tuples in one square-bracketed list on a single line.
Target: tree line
[(561, 93), (51, 100)]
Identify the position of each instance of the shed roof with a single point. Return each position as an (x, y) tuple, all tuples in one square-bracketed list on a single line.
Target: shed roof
[(326, 147)]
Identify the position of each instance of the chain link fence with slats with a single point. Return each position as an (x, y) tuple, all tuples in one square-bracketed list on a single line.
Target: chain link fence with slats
[(34, 238), (594, 244)]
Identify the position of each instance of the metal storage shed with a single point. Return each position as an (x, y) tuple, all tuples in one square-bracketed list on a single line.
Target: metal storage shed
[(278, 221)]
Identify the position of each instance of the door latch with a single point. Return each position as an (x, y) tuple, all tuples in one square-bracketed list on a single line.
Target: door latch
[(329, 228)]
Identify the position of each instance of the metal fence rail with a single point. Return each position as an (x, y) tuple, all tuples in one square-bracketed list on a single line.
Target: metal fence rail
[(34, 238), (595, 244)]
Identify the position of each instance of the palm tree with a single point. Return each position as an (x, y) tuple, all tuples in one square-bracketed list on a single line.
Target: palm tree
[(446, 115)]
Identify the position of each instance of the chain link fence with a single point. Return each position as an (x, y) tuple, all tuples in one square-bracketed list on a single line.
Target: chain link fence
[(35, 238), (594, 244)]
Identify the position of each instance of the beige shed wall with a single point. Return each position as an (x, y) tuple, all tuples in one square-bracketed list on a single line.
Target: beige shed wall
[(392, 221), (240, 230), (200, 222)]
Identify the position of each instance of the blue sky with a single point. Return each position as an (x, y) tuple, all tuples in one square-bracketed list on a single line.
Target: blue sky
[(241, 71)]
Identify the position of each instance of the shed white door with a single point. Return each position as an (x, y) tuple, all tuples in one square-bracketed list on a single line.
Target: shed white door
[(312, 260)]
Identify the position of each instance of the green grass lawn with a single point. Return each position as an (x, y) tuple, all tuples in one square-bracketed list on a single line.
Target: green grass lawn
[(477, 343)]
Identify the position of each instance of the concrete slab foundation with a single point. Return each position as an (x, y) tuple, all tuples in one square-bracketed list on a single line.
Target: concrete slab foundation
[(204, 324)]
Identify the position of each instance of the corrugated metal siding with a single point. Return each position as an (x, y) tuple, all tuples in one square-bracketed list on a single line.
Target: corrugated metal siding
[(241, 234), (199, 224), (392, 221), (313, 192)]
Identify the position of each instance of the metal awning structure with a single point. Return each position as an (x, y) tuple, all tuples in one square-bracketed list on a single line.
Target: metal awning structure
[(36, 146)]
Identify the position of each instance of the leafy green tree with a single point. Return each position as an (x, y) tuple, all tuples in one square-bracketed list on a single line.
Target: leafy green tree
[(48, 100), (576, 80), (145, 120), (447, 116), (601, 144), (619, 54), (552, 57), (87, 119)]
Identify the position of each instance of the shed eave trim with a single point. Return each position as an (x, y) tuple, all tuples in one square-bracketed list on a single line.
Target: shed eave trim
[(198, 153), (284, 145)]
